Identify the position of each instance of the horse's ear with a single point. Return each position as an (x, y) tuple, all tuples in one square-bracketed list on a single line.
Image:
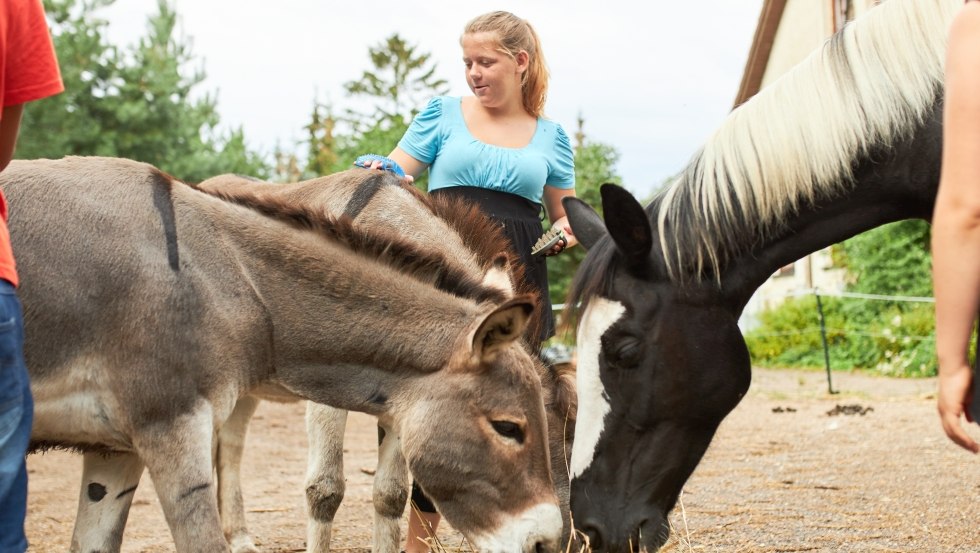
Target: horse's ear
[(501, 327), (627, 223), (586, 223)]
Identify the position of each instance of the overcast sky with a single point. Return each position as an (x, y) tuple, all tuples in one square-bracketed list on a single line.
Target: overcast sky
[(652, 79)]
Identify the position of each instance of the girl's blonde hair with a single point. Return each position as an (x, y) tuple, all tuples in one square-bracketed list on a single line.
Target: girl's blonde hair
[(513, 35)]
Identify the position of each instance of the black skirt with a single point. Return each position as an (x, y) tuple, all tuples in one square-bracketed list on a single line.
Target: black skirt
[(521, 221)]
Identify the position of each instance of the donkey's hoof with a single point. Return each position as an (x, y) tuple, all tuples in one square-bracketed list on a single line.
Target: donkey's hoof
[(243, 545)]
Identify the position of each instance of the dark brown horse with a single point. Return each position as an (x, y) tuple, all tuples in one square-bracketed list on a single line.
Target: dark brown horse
[(152, 307)]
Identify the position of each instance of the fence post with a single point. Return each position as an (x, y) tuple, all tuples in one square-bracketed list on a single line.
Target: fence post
[(823, 339)]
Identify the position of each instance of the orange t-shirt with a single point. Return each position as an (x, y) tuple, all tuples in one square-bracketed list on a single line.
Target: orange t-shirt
[(28, 71)]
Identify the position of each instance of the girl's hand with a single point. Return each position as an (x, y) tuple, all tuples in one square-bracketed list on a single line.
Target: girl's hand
[(376, 162), (569, 240), (955, 386)]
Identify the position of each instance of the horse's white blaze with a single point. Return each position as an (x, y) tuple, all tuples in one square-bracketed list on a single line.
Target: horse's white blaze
[(520, 534), (593, 404)]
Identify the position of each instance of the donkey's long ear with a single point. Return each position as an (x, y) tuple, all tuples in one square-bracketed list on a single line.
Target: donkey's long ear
[(501, 327), (586, 223), (627, 223)]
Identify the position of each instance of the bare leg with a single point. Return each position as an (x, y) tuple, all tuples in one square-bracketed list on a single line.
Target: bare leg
[(390, 494), (108, 486), (325, 484), (421, 526), (231, 443)]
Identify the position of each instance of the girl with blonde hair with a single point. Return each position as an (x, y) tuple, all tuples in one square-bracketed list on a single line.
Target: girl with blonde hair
[(496, 149)]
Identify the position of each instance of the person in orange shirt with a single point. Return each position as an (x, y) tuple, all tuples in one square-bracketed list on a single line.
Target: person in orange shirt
[(28, 72)]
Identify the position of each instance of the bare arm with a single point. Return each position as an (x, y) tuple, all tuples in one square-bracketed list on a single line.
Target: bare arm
[(556, 211), (9, 127), (411, 165), (956, 224)]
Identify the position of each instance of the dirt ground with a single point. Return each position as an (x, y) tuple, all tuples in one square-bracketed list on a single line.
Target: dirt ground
[(782, 475)]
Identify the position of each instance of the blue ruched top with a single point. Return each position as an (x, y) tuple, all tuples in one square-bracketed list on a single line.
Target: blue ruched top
[(438, 137)]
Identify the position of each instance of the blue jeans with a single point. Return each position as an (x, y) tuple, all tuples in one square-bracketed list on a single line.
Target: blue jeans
[(16, 414)]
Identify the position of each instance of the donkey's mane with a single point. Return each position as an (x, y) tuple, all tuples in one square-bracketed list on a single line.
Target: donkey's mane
[(385, 247), (796, 141), (484, 237), (479, 232)]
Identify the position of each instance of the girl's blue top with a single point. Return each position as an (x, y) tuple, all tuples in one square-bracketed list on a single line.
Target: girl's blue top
[(438, 137)]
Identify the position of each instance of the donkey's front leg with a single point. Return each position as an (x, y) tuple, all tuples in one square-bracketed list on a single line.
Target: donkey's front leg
[(325, 483), (231, 443), (390, 494), (178, 455), (108, 486)]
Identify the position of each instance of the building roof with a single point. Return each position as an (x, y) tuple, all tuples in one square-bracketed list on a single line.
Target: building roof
[(765, 33)]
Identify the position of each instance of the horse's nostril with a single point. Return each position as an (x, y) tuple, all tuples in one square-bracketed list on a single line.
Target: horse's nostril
[(540, 547)]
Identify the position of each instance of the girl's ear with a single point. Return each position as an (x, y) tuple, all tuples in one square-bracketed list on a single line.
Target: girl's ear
[(523, 59)]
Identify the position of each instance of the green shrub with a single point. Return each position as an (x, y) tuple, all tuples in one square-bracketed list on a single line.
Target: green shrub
[(889, 337)]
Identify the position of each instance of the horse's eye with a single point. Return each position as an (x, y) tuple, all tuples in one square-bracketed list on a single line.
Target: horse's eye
[(509, 429), (626, 354)]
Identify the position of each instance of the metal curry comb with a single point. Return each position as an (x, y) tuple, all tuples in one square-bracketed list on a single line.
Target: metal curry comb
[(548, 240)]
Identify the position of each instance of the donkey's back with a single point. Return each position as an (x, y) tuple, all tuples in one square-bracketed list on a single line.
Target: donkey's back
[(94, 332)]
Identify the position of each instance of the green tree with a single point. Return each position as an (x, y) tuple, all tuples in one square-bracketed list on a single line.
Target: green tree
[(71, 123), (398, 84), (594, 165), (889, 337), (892, 259), (322, 153), (134, 103)]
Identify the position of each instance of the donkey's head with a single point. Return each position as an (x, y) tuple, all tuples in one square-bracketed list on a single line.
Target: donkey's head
[(476, 439)]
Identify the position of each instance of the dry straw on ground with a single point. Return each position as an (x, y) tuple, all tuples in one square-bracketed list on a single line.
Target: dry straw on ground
[(781, 476)]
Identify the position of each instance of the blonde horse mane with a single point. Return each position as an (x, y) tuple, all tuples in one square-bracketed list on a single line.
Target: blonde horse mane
[(796, 141)]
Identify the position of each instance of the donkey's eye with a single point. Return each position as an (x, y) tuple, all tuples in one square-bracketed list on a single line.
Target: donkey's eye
[(510, 430)]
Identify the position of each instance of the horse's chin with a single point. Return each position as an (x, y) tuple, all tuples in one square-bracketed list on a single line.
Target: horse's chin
[(647, 536), (653, 535)]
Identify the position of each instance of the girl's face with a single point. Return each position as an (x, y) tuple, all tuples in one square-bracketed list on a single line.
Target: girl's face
[(493, 76)]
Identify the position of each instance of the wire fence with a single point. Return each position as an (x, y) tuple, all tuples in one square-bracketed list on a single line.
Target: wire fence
[(824, 330)]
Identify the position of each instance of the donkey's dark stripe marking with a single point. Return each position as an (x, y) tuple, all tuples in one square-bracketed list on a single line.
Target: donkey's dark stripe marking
[(362, 196), (126, 492), (194, 490), (96, 491), (163, 202)]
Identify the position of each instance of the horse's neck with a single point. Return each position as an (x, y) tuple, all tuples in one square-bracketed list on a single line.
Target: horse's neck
[(346, 329), (898, 184)]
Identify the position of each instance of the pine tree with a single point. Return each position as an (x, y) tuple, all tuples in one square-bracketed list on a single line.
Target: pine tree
[(134, 103)]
